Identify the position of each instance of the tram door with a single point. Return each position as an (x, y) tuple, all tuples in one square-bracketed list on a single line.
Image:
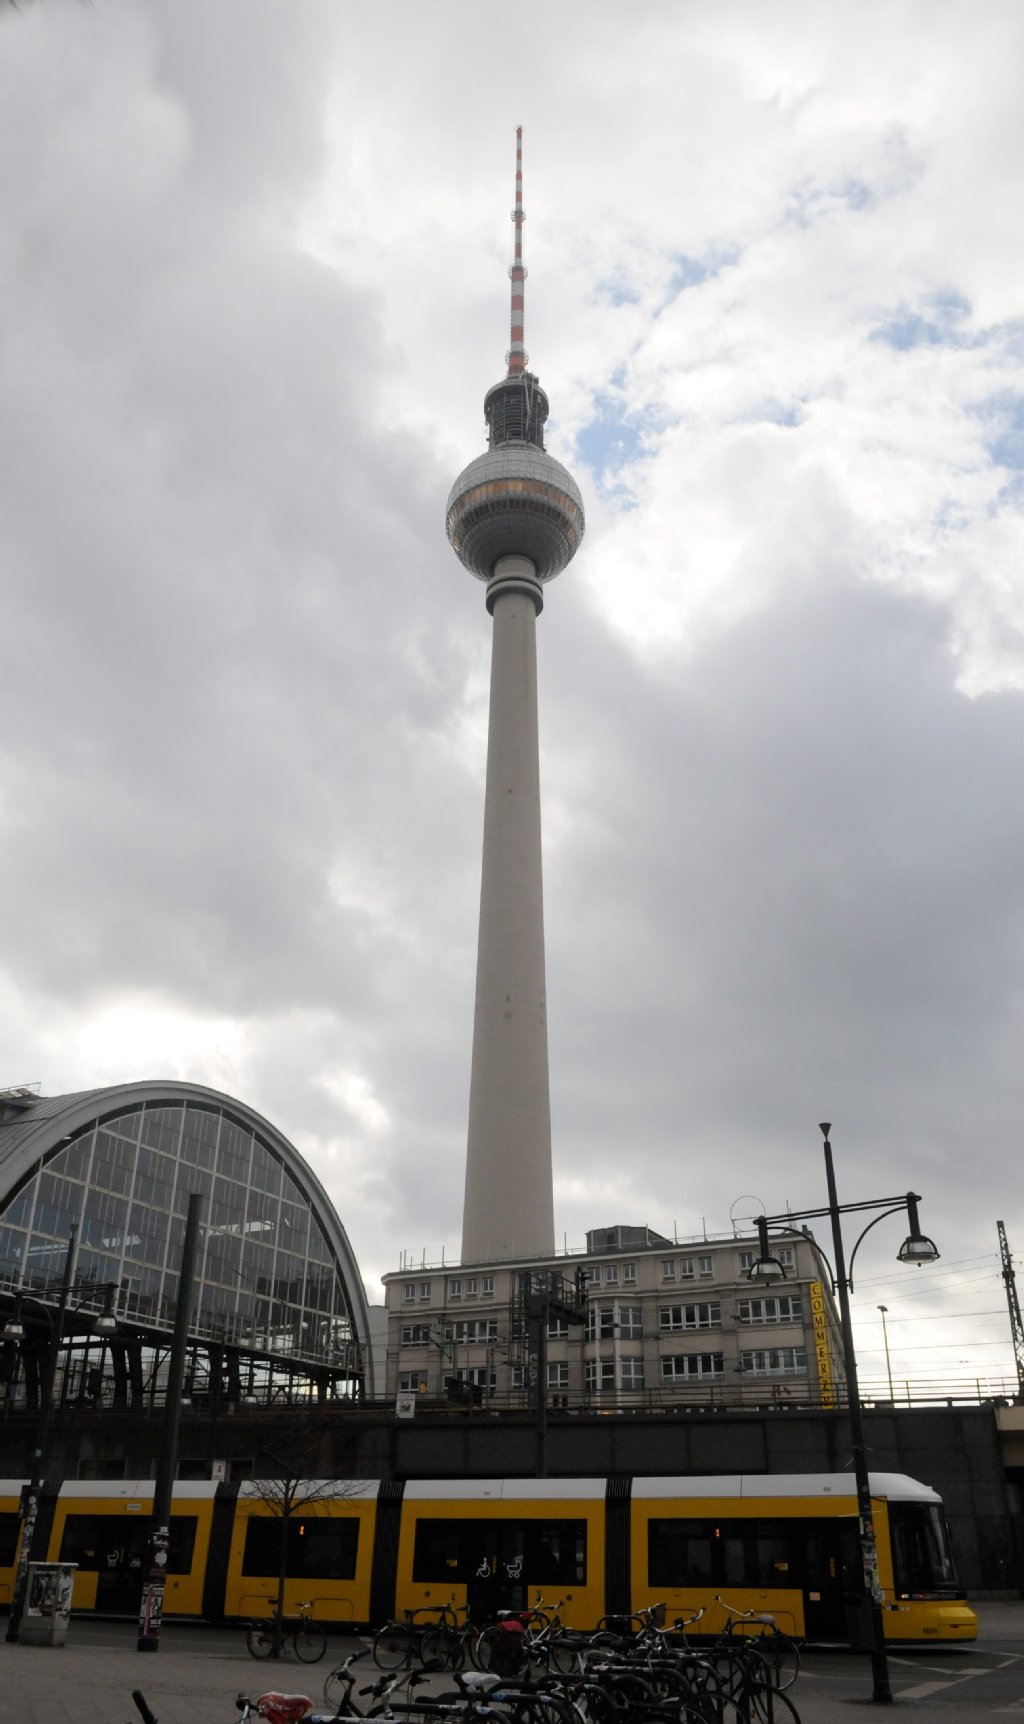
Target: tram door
[(114, 1548), (829, 1547), (494, 1558)]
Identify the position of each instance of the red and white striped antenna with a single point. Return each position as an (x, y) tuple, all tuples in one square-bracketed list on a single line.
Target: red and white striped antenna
[(517, 356)]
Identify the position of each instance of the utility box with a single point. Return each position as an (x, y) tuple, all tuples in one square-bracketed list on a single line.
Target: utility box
[(48, 1603)]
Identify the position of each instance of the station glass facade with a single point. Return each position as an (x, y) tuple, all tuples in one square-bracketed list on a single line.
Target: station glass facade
[(267, 1281)]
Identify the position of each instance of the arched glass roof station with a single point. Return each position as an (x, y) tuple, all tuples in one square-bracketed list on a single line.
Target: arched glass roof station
[(278, 1315)]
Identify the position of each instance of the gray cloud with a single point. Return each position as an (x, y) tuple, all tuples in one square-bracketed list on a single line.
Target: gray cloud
[(244, 681)]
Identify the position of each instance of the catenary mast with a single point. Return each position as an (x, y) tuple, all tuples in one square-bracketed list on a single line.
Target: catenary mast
[(515, 518)]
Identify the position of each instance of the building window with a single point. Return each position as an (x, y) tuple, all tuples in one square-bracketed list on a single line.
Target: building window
[(786, 1256), (629, 1274), (593, 1274), (631, 1322), (687, 1269), (558, 1329), (704, 1316), (611, 1274), (412, 1382), (558, 1375), (425, 1287), (631, 1373), (487, 1286), (600, 1322), (668, 1269), (691, 1367), (455, 1289), (480, 1376), (415, 1334), (598, 1374), (776, 1362), (409, 1291), (746, 1262), (472, 1329), (470, 1285), (519, 1376), (706, 1268), (784, 1309)]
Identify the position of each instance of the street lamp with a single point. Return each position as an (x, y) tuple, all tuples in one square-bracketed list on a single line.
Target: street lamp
[(885, 1339), (768, 1271), (103, 1322)]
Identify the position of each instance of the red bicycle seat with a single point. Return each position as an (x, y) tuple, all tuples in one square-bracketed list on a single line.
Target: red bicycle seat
[(283, 1708)]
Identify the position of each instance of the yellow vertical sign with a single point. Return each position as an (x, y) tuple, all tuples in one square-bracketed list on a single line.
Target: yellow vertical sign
[(823, 1357)]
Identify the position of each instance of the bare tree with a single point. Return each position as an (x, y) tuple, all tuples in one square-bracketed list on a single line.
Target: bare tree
[(287, 1491)]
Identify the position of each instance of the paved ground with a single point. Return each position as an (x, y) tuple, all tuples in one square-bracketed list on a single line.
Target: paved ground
[(197, 1672)]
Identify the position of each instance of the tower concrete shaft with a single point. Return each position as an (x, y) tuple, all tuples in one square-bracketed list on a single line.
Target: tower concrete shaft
[(514, 519), (509, 1204)]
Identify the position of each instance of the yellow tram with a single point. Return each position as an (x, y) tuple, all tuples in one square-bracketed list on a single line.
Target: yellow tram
[(365, 1550)]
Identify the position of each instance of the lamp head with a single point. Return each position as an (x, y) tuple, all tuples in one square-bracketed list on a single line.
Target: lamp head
[(917, 1247), (105, 1321), (767, 1271), (14, 1328)]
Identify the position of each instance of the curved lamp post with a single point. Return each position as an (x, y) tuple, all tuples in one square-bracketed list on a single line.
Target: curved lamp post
[(768, 1271), (103, 1322)]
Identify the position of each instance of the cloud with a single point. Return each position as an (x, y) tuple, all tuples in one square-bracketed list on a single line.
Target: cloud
[(255, 287)]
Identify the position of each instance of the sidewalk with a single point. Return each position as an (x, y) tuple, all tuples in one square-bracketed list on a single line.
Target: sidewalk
[(197, 1672)]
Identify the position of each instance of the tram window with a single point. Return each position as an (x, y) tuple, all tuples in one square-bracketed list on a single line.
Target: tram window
[(720, 1553), (549, 1551), (320, 1547), (680, 1552), (10, 1525), (109, 1541), (439, 1549), (556, 1551), (922, 1558)]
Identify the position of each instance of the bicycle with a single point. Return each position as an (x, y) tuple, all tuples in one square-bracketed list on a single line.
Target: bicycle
[(340, 1682), (434, 1644), (781, 1654), (523, 1637), (275, 1636)]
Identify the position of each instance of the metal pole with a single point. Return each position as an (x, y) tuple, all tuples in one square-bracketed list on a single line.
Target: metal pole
[(152, 1606), (888, 1367), (882, 1690), (540, 1352), (27, 1552)]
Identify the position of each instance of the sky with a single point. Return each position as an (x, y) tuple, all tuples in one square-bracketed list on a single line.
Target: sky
[(254, 264)]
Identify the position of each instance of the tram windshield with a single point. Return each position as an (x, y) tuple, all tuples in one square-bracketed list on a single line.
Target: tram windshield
[(922, 1559)]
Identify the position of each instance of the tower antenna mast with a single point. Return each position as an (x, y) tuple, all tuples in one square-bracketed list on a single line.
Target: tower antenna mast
[(1016, 1326), (517, 357)]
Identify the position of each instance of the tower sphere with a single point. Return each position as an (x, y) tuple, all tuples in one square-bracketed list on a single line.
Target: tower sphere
[(515, 500)]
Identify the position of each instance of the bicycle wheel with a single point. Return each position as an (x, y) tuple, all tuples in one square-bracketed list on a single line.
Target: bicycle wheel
[(310, 1642), (769, 1706), (392, 1646), (783, 1657), (563, 1655), (434, 1648), (259, 1638)]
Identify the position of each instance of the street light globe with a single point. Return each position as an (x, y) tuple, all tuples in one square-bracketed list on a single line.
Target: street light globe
[(918, 1248), (768, 1271)]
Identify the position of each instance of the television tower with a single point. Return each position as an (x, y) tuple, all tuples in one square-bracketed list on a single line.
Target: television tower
[(515, 518)]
